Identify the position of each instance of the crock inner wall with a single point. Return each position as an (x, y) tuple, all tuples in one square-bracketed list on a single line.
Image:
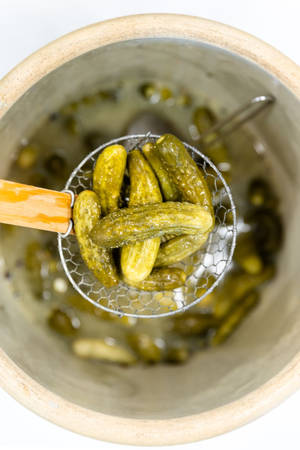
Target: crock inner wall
[(270, 336)]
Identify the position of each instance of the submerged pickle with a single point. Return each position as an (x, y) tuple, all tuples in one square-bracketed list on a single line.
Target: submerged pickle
[(189, 324), (177, 353), (168, 188), (235, 317), (235, 287), (178, 248), (246, 254), (260, 194), (108, 177), (104, 350), (204, 119), (86, 213), (130, 225), (148, 348), (161, 280), (62, 322), (137, 260)]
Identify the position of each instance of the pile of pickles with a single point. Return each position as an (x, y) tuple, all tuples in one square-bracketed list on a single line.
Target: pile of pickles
[(187, 213), (46, 160)]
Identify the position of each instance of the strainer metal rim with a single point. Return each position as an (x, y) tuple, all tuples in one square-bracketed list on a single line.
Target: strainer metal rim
[(232, 227)]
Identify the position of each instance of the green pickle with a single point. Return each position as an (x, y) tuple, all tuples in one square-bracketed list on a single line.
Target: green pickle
[(177, 353), (183, 171), (204, 119), (137, 260), (86, 213), (246, 254), (149, 349), (236, 286), (235, 317), (154, 92), (267, 231), (260, 194), (104, 350), (189, 324), (56, 165), (178, 248), (129, 225), (108, 177), (37, 262), (191, 183), (62, 322), (161, 280), (168, 188), (27, 157)]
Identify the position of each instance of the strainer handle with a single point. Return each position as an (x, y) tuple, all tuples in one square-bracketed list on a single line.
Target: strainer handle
[(34, 207)]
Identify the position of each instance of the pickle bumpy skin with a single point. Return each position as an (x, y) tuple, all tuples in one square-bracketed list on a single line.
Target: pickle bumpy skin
[(168, 188), (108, 177), (129, 225), (137, 260), (165, 279), (190, 182), (99, 260)]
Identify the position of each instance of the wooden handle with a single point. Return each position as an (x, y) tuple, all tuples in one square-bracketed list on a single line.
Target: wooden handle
[(30, 206)]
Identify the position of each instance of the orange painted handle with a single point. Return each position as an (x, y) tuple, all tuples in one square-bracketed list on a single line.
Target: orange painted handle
[(34, 207)]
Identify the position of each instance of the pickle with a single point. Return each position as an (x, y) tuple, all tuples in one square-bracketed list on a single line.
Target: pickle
[(261, 195), (38, 262), (155, 92), (204, 119), (99, 260), (235, 317), (56, 165), (104, 350), (130, 225), (137, 260), (144, 187), (62, 322), (267, 231), (161, 280), (168, 188), (246, 254), (184, 172), (148, 348), (27, 157), (178, 248), (235, 287), (189, 324), (177, 353), (108, 177)]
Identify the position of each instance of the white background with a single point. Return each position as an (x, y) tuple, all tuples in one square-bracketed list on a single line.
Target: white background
[(27, 25)]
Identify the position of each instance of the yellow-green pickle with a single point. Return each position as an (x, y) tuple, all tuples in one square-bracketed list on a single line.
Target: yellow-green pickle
[(246, 254), (146, 213), (161, 280), (235, 317), (108, 177), (149, 349), (137, 260), (183, 171), (191, 184), (167, 186), (215, 149), (99, 260), (62, 322), (138, 223)]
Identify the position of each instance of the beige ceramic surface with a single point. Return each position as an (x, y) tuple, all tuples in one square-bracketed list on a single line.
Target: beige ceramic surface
[(218, 390)]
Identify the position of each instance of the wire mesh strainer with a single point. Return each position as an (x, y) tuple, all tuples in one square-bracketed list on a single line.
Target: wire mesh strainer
[(204, 269)]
